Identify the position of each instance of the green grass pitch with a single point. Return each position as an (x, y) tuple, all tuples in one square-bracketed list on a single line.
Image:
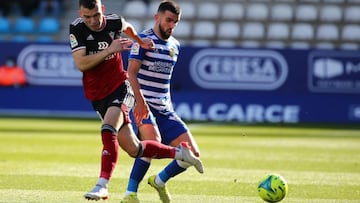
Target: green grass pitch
[(57, 161)]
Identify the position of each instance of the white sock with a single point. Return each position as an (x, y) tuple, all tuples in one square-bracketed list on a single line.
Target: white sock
[(127, 193), (158, 181), (103, 182), (178, 154), (183, 164)]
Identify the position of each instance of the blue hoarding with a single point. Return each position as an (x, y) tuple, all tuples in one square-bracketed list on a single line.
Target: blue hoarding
[(209, 84)]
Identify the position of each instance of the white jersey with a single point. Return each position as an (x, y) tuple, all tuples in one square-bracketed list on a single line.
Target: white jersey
[(156, 70)]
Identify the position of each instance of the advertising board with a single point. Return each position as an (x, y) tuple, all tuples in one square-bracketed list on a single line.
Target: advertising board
[(209, 84)]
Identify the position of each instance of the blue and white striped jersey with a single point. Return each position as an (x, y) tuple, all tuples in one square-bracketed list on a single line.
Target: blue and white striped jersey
[(156, 70)]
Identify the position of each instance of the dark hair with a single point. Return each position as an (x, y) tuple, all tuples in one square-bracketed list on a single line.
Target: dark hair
[(169, 5), (90, 4)]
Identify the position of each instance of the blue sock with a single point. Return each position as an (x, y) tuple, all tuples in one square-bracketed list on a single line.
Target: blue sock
[(170, 171), (138, 172)]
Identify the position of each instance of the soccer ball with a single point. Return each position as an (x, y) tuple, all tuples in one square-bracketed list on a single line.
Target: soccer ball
[(272, 188)]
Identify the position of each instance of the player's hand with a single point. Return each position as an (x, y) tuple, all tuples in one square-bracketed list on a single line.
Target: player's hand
[(147, 43), (141, 111), (122, 44)]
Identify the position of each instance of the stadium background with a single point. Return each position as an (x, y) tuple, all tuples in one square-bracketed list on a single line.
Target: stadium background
[(263, 61)]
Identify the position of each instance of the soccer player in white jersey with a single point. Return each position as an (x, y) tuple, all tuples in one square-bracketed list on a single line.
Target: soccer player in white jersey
[(150, 73)]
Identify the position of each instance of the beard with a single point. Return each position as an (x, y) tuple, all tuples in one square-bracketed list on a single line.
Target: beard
[(163, 33)]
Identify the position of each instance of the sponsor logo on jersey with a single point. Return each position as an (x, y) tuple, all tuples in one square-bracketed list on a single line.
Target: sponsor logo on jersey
[(103, 45), (161, 67), (334, 72), (238, 69), (90, 38)]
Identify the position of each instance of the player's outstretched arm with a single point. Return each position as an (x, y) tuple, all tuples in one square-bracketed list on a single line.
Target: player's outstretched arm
[(86, 62), (130, 31)]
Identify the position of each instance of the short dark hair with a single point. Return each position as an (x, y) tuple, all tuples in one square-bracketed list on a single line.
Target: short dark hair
[(90, 4), (169, 5)]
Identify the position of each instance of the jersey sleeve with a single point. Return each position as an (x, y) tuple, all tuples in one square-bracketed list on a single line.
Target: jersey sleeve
[(137, 52), (116, 22), (123, 23), (77, 41)]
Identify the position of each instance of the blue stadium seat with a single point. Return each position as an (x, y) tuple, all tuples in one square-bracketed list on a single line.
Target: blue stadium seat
[(49, 25), (24, 25), (19, 38), (44, 39), (5, 25)]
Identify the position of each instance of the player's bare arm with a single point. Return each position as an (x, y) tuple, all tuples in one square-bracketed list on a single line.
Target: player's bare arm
[(130, 31), (141, 109), (86, 62)]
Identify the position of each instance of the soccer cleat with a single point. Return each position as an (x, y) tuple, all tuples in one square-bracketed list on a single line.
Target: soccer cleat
[(163, 192), (188, 156), (131, 198), (97, 193)]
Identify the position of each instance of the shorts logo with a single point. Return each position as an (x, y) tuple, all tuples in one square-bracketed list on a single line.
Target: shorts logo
[(237, 69), (116, 101), (337, 72)]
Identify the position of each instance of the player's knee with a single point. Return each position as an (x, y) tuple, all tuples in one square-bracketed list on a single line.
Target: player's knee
[(136, 151), (109, 128), (132, 153), (140, 150)]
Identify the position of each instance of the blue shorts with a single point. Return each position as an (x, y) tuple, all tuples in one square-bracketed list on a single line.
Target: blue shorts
[(170, 125)]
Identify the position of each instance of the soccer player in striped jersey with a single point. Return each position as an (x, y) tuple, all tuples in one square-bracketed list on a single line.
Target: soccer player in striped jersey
[(96, 45), (150, 73)]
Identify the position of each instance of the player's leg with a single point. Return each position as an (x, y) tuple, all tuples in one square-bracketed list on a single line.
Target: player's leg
[(158, 181), (150, 148), (189, 138), (110, 110), (111, 120), (128, 140), (177, 166), (147, 131), (175, 132)]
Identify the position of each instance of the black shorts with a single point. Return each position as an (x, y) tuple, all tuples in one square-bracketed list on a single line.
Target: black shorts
[(122, 97)]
